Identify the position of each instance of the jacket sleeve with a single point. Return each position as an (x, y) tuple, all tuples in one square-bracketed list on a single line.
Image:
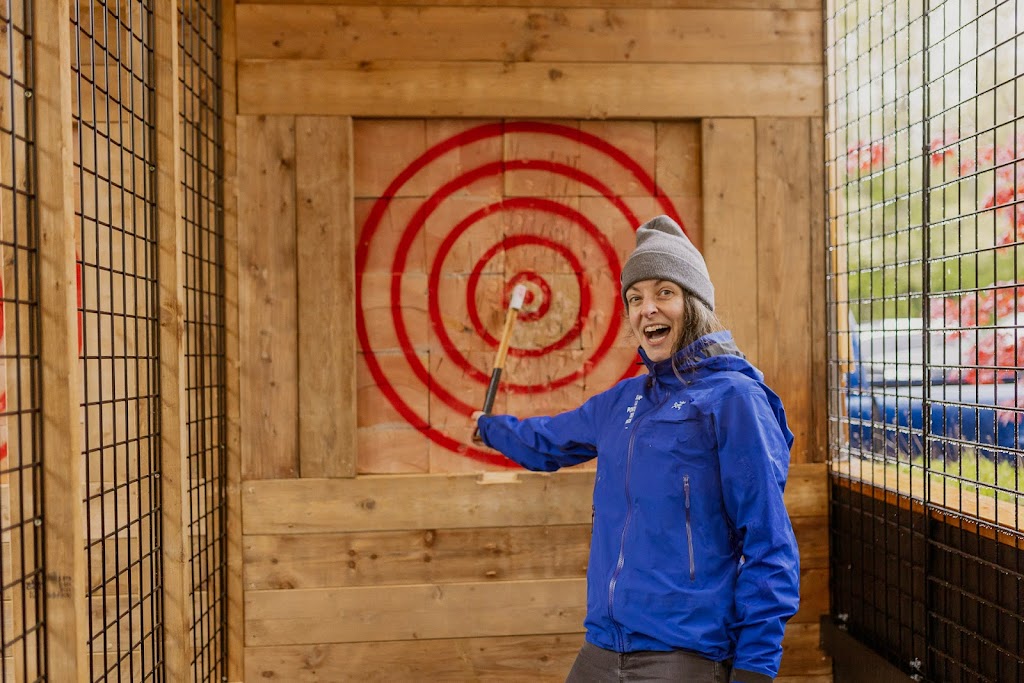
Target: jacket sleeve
[(754, 446), (543, 443)]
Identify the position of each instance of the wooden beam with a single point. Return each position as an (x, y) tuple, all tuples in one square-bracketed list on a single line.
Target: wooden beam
[(393, 503), (267, 281), (510, 658), (377, 558), (558, 89), (326, 297), (819, 328), (63, 486), (517, 34), (784, 269), (174, 472), (609, 4), (20, 474), (529, 657), (451, 610), (233, 528), (729, 151), (444, 610)]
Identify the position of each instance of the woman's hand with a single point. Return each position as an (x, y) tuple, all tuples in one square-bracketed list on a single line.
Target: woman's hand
[(476, 427)]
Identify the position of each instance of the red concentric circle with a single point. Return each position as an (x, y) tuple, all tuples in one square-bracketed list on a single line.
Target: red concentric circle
[(539, 288)]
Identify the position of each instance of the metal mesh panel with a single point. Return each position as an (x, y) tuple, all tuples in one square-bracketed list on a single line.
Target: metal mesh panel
[(925, 176), (205, 336), (112, 64), (21, 542)]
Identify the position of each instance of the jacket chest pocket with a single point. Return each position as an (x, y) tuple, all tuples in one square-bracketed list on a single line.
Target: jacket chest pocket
[(679, 430)]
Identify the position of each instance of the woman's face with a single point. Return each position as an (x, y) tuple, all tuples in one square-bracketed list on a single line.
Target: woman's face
[(655, 309)]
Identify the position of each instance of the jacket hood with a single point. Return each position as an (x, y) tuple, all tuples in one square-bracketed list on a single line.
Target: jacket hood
[(713, 353)]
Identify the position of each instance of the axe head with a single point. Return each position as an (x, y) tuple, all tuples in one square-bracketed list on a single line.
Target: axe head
[(518, 296)]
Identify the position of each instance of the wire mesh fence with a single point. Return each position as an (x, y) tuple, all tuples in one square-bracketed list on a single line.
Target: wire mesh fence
[(925, 170), (199, 45), (114, 125), (21, 532)]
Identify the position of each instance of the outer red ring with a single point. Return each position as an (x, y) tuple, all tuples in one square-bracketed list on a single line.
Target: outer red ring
[(380, 207)]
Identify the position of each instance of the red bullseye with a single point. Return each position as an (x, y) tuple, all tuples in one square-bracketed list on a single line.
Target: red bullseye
[(533, 283), (474, 316), (416, 224)]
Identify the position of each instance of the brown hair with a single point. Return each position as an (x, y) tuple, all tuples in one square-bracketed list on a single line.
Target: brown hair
[(698, 320)]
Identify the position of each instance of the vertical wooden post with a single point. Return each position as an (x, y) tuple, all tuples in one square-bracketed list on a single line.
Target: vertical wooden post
[(236, 595), (63, 487), (18, 477), (267, 295), (784, 268), (819, 328), (174, 473), (326, 296), (729, 154)]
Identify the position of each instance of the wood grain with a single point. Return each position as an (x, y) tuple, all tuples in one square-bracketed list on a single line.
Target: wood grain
[(404, 557), (517, 34), (406, 502), (232, 492), (784, 270), (326, 297), (558, 89), (450, 610), (175, 540), (268, 344), (609, 4), (66, 616), (729, 152)]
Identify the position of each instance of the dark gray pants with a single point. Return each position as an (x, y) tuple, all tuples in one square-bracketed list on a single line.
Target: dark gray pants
[(597, 665)]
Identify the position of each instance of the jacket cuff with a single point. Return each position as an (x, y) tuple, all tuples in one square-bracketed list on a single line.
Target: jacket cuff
[(742, 676)]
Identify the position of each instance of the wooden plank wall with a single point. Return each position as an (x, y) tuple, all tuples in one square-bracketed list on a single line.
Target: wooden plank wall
[(479, 575)]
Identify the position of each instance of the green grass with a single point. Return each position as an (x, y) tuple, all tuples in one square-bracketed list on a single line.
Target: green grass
[(982, 476)]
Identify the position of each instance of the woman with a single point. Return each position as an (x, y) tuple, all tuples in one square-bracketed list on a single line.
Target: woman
[(694, 569)]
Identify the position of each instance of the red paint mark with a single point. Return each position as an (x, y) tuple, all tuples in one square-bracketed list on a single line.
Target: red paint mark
[(416, 223), (3, 450), (3, 402)]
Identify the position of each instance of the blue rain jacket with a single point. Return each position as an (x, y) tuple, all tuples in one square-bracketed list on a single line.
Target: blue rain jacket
[(692, 547)]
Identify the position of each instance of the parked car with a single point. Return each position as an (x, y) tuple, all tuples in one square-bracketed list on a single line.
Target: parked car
[(887, 389)]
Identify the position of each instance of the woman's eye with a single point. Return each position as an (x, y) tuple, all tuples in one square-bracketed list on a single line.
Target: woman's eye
[(667, 292)]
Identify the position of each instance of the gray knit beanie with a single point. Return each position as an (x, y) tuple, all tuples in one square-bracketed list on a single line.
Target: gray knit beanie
[(663, 252)]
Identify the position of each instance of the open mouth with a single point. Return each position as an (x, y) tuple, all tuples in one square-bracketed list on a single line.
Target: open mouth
[(656, 333)]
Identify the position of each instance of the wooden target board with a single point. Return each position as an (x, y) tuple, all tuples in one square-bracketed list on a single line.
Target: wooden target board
[(451, 215)]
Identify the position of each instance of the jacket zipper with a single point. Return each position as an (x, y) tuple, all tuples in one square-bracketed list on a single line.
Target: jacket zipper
[(625, 527), (689, 528), (622, 542)]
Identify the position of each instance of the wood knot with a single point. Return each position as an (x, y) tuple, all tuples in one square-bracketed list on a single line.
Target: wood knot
[(368, 504)]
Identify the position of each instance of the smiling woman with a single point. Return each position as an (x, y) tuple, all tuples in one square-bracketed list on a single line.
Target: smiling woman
[(697, 595)]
